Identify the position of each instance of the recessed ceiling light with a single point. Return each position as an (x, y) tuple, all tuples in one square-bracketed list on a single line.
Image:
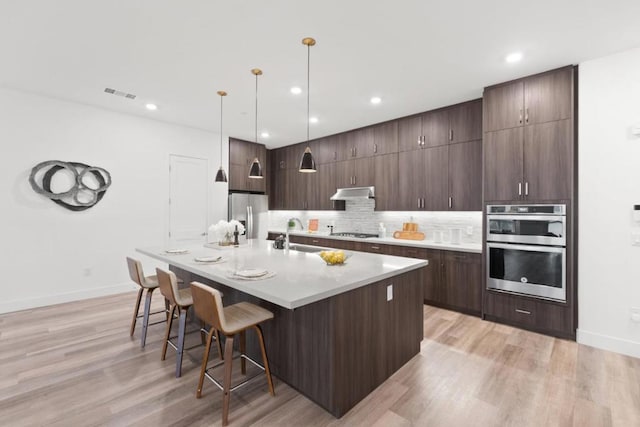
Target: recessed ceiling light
[(313, 120), (376, 100), (296, 90), (151, 107), (265, 134), (513, 57)]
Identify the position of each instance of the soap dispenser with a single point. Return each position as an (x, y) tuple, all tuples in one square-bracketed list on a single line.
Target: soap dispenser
[(382, 232)]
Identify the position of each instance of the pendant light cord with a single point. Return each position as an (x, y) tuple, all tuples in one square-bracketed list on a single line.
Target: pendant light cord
[(256, 127), (308, 88), (221, 98)]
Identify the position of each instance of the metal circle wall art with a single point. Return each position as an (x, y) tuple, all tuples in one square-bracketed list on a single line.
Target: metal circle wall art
[(90, 183)]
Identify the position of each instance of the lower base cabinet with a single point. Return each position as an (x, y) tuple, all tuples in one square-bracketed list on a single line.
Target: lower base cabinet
[(452, 280), (547, 317)]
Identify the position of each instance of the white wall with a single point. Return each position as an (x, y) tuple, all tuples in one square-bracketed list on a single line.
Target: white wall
[(50, 254), (609, 180)]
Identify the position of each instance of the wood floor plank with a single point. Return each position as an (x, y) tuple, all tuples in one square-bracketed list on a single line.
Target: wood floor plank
[(75, 364)]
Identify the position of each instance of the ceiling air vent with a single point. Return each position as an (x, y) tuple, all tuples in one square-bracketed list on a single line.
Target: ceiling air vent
[(119, 93)]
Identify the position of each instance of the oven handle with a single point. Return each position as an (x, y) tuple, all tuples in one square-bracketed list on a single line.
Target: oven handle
[(551, 218), (530, 248)]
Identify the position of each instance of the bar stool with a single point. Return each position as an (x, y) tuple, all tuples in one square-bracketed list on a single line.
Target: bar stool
[(181, 300), (150, 284), (231, 320)]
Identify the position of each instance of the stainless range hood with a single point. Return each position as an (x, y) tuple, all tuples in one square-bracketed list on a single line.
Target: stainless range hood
[(356, 193)]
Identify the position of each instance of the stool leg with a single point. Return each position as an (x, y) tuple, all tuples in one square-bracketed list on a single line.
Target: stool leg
[(167, 333), (228, 364), (267, 371), (219, 344), (145, 316), (243, 350), (182, 326), (135, 311), (205, 359), (203, 336), (167, 308)]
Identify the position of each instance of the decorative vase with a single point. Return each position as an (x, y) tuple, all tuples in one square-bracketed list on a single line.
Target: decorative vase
[(227, 240)]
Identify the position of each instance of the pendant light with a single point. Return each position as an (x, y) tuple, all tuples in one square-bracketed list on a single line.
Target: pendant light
[(221, 176), (307, 163), (256, 169)]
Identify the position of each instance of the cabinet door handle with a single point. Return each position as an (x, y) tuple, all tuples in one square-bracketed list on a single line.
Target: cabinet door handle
[(526, 115), (424, 140), (375, 148), (519, 189), (526, 188), (523, 311), (450, 202), (375, 247), (418, 202), (354, 179), (423, 203), (450, 134), (419, 141), (314, 241), (520, 117), (335, 155)]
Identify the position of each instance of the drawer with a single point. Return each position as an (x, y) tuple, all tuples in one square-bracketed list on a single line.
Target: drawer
[(514, 309)]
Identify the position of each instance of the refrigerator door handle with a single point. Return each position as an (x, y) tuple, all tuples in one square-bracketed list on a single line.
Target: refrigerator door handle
[(249, 219)]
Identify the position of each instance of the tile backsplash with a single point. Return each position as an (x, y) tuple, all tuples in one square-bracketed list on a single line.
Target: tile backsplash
[(360, 216)]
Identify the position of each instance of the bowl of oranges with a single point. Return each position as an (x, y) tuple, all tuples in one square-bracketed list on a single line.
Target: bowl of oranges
[(334, 257)]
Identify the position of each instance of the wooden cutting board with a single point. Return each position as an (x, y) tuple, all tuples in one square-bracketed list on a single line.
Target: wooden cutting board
[(409, 235)]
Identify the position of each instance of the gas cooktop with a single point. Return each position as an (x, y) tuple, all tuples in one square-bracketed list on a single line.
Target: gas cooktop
[(354, 234)]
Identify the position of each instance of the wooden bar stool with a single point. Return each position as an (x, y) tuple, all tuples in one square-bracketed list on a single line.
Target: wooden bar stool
[(180, 300), (231, 320), (150, 284)]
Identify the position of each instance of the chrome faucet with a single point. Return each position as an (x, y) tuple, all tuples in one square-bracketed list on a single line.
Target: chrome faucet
[(289, 221)]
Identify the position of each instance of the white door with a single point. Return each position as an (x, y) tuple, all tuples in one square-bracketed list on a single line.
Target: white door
[(188, 199)]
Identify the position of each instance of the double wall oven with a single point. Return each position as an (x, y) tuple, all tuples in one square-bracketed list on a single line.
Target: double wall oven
[(526, 250)]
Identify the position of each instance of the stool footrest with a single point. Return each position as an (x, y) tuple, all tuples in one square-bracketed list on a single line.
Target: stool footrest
[(237, 386)]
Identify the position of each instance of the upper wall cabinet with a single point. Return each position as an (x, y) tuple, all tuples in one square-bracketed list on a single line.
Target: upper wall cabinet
[(459, 123), (538, 99), (241, 155), (529, 139)]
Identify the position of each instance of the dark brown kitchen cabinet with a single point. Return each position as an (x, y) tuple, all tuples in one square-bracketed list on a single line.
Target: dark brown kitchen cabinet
[(241, 155), (538, 99), (386, 181), (385, 138), (548, 154), (532, 163), (530, 313), (458, 123), (410, 133), (355, 173), (320, 186), (423, 180), (465, 122), (503, 164), (465, 172), (294, 190), (324, 150), (462, 277), (435, 128), (355, 144)]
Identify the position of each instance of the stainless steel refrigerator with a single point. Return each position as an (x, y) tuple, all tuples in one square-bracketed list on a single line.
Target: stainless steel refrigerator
[(251, 210)]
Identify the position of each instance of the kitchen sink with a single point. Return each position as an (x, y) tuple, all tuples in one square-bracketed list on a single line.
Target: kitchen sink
[(307, 248)]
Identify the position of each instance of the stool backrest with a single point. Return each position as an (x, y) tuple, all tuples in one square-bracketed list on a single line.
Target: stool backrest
[(168, 284), (135, 270), (207, 302)]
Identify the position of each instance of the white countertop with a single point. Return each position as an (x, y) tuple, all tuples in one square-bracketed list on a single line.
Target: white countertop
[(429, 244), (301, 278)]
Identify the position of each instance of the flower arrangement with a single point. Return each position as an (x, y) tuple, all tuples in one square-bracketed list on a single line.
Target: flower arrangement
[(222, 232)]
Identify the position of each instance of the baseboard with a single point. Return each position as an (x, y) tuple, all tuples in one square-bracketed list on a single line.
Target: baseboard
[(42, 301), (605, 342)]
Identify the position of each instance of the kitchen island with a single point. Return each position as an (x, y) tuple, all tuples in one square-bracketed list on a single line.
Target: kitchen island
[(338, 331)]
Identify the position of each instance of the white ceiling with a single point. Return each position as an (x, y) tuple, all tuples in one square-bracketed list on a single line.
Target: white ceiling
[(415, 54)]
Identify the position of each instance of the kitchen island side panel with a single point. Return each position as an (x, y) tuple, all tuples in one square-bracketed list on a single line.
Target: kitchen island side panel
[(337, 350)]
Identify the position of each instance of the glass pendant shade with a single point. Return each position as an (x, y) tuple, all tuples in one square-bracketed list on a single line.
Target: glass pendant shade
[(221, 176), (256, 169), (307, 163)]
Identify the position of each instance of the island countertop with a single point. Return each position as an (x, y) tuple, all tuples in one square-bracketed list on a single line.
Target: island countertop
[(300, 278)]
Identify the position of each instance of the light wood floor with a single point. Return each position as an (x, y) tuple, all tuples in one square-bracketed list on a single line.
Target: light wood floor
[(74, 365)]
